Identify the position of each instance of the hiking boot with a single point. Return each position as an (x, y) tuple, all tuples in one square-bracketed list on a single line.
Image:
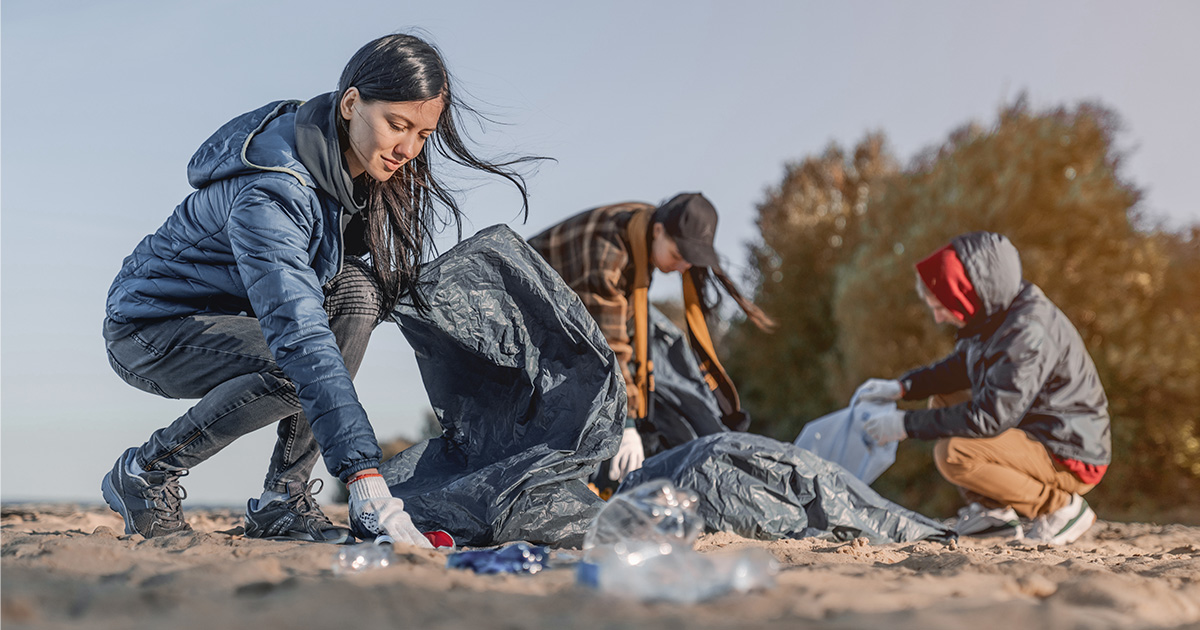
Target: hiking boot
[(982, 522), (297, 517), (149, 502), (1064, 525)]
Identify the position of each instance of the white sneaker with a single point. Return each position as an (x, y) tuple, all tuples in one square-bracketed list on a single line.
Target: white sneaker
[(982, 522), (1064, 525)]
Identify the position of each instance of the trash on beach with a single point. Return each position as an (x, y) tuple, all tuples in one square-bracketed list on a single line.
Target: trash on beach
[(671, 573), (379, 554), (368, 556), (656, 512), (640, 546), (516, 558), (440, 539)]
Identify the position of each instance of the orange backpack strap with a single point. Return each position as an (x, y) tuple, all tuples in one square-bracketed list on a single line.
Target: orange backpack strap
[(702, 345), (643, 376)]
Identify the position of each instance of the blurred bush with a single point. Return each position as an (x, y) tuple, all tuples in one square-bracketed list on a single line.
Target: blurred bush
[(840, 236)]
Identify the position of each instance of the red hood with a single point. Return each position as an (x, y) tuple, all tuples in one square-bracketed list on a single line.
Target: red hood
[(944, 276)]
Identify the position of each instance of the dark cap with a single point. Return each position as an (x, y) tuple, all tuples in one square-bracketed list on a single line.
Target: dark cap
[(691, 220)]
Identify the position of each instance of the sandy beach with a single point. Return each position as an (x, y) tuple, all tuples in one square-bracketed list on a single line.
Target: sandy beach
[(69, 566)]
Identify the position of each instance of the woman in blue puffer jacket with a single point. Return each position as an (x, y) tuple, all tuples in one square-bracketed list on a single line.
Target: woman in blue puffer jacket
[(255, 298)]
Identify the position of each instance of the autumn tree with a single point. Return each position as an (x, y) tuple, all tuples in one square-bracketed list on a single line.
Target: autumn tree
[(810, 228)]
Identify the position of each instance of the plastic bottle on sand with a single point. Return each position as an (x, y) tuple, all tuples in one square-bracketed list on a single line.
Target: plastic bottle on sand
[(655, 511), (661, 572), (640, 546), (362, 557)]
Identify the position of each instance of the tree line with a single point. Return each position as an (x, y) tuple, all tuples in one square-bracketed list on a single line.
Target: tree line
[(839, 237)]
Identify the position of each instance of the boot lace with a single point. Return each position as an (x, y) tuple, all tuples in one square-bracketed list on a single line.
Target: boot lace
[(305, 504), (167, 499)]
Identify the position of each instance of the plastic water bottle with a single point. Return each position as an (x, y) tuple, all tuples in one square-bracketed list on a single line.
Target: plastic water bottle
[(663, 572), (640, 546), (362, 557), (655, 511)]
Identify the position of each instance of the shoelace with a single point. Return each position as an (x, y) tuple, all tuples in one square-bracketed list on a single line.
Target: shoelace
[(168, 498), (306, 505)]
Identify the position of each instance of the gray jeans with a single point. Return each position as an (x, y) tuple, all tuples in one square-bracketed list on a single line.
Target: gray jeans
[(224, 361)]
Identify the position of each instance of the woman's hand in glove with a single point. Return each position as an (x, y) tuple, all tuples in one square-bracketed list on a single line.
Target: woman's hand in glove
[(374, 512)]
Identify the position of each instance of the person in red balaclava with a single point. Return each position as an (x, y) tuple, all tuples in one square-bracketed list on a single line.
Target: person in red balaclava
[(1033, 436)]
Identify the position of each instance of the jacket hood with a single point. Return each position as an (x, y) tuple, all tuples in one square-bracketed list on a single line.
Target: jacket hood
[(993, 266), (943, 275), (255, 141), (319, 148)]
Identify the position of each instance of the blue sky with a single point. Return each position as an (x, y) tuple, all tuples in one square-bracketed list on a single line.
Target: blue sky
[(103, 103)]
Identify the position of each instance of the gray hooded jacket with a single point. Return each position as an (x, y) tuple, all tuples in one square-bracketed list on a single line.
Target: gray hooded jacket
[(1024, 361)]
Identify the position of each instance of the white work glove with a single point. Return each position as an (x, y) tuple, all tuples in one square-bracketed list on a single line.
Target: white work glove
[(374, 511), (886, 427), (878, 390), (629, 457)]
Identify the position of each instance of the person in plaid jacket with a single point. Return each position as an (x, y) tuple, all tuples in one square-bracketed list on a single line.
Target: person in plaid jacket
[(606, 254)]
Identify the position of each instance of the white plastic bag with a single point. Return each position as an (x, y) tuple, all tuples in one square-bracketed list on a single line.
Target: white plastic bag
[(839, 437)]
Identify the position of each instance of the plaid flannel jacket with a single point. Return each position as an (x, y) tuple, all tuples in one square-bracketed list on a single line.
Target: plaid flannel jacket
[(591, 252)]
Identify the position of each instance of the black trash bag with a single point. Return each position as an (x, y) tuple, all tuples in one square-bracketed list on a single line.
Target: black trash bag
[(527, 391), (761, 488), (684, 407)]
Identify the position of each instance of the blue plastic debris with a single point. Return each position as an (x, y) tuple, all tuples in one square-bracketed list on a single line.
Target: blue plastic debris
[(516, 558)]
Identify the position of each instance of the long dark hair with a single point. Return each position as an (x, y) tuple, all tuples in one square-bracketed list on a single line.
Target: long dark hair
[(710, 298), (402, 212)]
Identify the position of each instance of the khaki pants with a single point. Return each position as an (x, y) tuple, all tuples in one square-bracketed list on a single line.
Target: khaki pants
[(1010, 469)]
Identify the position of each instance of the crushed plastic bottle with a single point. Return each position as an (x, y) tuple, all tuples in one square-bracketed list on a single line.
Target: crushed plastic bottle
[(516, 558), (362, 557), (655, 511), (662, 572), (640, 546)]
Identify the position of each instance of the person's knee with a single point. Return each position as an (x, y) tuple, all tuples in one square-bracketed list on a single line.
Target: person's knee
[(278, 384), (354, 290)]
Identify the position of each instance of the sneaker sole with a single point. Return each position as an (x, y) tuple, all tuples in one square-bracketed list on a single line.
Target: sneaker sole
[(999, 531), (344, 540), (113, 499), (347, 539), (1080, 524)]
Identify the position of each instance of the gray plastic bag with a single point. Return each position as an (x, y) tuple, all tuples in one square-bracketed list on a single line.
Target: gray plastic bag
[(761, 488)]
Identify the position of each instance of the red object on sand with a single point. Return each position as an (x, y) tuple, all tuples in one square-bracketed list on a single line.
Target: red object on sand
[(439, 538)]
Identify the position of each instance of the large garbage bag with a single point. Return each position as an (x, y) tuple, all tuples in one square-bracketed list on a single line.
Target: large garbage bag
[(762, 488), (684, 406), (527, 391), (841, 437)]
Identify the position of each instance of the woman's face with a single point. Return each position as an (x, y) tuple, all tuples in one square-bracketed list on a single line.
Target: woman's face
[(664, 252), (385, 135)]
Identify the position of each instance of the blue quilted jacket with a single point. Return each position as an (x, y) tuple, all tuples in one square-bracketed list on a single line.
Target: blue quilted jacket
[(261, 234)]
